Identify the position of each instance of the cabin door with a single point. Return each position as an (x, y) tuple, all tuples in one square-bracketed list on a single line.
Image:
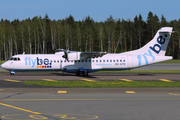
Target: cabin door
[(129, 62)]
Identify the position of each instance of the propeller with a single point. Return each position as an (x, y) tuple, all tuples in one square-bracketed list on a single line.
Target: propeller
[(65, 55)]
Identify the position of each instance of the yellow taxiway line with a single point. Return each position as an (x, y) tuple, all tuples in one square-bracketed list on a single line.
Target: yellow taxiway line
[(50, 80), (173, 94), (165, 80), (62, 92), (126, 80), (19, 108), (88, 80), (130, 92), (12, 80)]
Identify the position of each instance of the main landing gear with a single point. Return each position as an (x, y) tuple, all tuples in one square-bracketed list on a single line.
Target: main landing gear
[(82, 72), (12, 73)]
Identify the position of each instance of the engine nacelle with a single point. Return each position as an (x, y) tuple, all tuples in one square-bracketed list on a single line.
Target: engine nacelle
[(73, 56)]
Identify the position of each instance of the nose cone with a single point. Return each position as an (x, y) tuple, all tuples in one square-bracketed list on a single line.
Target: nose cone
[(3, 65)]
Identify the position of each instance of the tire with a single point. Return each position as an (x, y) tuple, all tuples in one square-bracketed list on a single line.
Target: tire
[(78, 73), (84, 73)]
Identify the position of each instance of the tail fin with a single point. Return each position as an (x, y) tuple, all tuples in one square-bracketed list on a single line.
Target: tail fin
[(158, 45), (153, 52)]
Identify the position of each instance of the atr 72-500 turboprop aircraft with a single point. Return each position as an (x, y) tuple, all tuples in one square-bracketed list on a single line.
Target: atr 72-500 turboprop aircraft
[(83, 63)]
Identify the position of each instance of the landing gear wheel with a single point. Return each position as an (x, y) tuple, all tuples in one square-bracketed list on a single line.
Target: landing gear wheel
[(84, 73), (11, 73), (78, 73)]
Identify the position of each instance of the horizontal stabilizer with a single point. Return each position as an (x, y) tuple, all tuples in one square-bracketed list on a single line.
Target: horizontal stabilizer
[(166, 30)]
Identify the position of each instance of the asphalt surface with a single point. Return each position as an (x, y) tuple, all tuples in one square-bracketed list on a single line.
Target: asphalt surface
[(92, 76), (29, 102), (33, 106)]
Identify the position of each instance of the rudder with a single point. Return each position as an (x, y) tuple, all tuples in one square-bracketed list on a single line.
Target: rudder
[(158, 44)]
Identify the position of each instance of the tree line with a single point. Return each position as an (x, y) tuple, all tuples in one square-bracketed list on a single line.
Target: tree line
[(43, 35)]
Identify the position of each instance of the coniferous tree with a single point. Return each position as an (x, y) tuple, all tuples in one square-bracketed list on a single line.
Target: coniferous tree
[(43, 35)]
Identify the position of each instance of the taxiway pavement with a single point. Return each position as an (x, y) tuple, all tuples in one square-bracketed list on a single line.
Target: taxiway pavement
[(91, 76), (29, 102), (33, 106)]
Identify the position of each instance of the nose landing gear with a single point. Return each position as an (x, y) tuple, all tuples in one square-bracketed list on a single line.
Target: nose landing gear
[(12, 73)]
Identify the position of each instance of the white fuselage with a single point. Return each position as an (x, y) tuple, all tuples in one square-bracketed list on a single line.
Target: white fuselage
[(55, 62)]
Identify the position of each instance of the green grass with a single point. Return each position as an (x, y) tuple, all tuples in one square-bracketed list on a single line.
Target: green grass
[(104, 84), (1, 62), (172, 61)]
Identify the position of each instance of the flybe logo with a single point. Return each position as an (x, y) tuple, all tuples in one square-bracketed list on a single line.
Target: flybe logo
[(139, 57), (41, 63), (157, 47)]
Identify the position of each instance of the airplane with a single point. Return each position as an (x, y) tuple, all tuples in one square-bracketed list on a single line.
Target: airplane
[(82, 63)]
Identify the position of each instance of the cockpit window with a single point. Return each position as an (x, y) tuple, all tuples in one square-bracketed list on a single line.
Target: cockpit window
[(15, 59)]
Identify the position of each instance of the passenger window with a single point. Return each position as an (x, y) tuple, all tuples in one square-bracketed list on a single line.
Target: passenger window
[(89, 60), (57, 61), (61, 61), (93, 60), (117, 60), (110, 60), (18, 59), (54, 61), (82, 60), (78, 60), (107, 60), (103, 60), (100, 60), (64, 60), (85, 60), (113, 60), (120, 60), (123, 60), (96, 60)]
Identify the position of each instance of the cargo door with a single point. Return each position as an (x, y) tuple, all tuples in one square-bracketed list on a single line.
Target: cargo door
[(129, 61)]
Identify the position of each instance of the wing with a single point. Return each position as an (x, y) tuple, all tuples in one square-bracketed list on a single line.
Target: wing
[(76, 55), (92, 54)]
